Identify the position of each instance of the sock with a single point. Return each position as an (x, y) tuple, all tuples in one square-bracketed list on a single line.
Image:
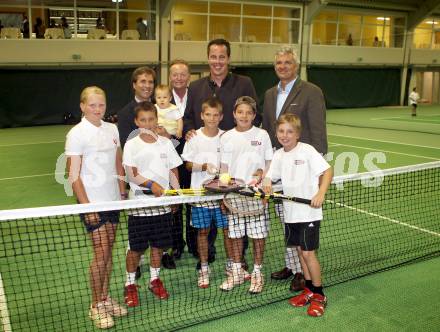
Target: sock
[(204, 267), (257, 268), (236, 268), (154, 273), (229, 263), (131, 278), (309, 285), (317, 290)]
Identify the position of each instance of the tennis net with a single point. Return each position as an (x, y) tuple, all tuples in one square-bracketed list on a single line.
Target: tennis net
[(372, 222)]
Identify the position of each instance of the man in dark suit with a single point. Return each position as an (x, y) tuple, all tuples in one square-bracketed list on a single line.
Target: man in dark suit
[(220, 83), (142, 80), (292, 95), (179, 79), (227, 87)]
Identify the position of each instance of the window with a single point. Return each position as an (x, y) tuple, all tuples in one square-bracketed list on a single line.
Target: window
[(81, 16), (235, 21), (345, 28), (426, 34)]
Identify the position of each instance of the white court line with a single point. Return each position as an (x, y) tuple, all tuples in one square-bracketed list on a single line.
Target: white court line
[(29, 176), (395, 221), (378, 140), (34, 143), (387, 151), (404, 117)]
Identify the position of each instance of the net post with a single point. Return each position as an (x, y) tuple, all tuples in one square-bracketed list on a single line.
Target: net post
[(4, 313)]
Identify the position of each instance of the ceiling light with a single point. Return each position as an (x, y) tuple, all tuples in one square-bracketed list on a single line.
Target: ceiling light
[(431, 22), (116, 0), (383, 18)]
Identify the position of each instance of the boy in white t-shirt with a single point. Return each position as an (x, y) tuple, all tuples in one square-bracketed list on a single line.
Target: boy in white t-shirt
[(169, 115), (304, 173), (202, 156), (246, 154), (151, 163)]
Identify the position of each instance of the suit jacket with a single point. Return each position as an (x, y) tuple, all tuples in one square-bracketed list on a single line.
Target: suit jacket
[(126, 121), (306, 101)]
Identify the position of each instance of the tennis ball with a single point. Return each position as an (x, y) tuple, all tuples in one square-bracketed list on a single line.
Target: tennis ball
[(225, 178)]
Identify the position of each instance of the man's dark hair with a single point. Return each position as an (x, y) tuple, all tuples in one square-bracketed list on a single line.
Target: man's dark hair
[(220, 42)]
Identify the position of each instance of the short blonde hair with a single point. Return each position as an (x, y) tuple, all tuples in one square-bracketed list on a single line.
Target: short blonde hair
[(212, 102), (291, 119), (89, 91), (162, 87)]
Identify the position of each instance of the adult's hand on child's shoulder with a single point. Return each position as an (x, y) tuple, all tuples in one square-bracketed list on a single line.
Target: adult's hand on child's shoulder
[(190, 134)]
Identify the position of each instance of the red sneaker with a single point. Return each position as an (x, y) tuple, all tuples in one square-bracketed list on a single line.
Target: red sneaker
[(317, 305), (131, 297), (302, 299), (156, 287)]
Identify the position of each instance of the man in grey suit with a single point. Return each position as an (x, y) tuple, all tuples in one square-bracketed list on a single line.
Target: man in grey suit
[(292, 95)]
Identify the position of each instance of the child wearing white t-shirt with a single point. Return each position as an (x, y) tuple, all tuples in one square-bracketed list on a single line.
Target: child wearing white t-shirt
[(169, 115), (95, 171), (151, 164), (303, 173), (202, 156), (246, 154)]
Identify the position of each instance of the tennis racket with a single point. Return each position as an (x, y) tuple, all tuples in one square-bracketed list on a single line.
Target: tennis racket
[(247, 207), (244, 206), (174, 192)]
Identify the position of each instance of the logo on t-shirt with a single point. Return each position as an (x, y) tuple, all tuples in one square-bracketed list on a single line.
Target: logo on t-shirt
[(298, 162), (255, 143), (163, 156)]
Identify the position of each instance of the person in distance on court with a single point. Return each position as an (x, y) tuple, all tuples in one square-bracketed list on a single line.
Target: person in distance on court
[(246, 153), (303, 173), (84, 156), (150, 161), (202, 156), (293, 95), (413, 100)]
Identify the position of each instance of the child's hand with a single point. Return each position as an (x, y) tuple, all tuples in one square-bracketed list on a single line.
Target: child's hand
[(92, 218), (317, 200), (211, 169), (267, 186), (156, 189)]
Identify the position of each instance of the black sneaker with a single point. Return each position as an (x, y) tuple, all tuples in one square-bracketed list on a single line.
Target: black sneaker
[(168, 261)]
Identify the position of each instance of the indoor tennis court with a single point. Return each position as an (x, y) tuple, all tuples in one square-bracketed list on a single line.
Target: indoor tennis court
[(349, 233)]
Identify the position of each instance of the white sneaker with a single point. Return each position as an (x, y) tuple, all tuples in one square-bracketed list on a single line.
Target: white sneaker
[(203, 281), (232, 280), (246, 275), (100, 317), (257, 283), (114, 308)]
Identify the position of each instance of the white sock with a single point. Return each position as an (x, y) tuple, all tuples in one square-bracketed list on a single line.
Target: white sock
[(154, 273), (229, 263), (236, 268), (204, 267), (131, 278), (257, 268)]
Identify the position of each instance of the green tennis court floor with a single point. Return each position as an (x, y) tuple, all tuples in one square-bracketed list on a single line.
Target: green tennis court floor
[(401, 299)]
